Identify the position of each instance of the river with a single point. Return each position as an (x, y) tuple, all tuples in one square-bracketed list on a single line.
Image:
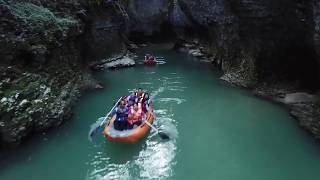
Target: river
[(216, 132)]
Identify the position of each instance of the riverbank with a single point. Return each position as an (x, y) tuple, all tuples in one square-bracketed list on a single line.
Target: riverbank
[(301, 104), (50, 48)]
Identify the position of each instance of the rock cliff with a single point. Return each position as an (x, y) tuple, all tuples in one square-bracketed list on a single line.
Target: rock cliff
[(258, 44), (257, 40), (47, 46)]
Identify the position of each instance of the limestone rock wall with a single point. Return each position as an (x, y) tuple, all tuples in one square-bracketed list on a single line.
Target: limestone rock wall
[(316, 14), (146, 17), (262, 36), (44, 59)]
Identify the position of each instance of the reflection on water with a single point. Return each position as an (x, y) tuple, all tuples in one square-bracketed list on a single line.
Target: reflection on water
[(150, 158)]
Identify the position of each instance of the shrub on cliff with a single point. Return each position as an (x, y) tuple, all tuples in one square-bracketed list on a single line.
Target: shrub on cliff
[(38, 18)]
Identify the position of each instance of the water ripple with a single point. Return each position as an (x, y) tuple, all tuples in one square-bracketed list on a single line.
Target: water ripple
[(168, 100), (145, 83), (157, 91), (151, 158)]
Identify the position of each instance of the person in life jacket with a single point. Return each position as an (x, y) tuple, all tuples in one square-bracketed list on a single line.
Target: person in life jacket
[(151, 58), (148, 57), (133, 98), (121, 112), (135, 115)]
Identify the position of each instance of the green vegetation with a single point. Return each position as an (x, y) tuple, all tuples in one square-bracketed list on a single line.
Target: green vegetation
[(38, 18)]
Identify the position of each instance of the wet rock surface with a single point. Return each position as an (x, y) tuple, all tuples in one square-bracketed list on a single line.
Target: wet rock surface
[(316, 18), (44, 64), (112, 63), (33, 103), (262, 41), (192, 48), (147, 17), (303, 106), (299, 97)]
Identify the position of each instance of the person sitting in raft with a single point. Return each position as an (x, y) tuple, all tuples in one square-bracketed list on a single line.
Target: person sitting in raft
[(140, 93), (133, 98), (151, 58), (135, 115), (148, 57), (145, 102), (121, 112)]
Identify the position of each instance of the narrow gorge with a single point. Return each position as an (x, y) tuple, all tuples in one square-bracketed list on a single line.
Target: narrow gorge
[(235, 88), (48, 49)]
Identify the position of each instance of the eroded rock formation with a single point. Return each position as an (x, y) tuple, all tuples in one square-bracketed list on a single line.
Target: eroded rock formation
[(45, 49), (44, 60)]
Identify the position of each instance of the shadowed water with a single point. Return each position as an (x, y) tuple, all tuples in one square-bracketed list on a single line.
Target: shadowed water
[(216, 132)]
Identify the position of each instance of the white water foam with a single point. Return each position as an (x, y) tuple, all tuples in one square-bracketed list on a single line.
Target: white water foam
[(156, 161), (161, 62)]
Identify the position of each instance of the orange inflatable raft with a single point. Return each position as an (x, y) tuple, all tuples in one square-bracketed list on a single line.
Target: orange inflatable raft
[(131, 135), (150, 62)]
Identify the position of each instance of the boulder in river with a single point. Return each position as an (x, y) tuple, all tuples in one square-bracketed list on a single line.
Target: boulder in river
[(196, 53), (123, 62), (115, 62)]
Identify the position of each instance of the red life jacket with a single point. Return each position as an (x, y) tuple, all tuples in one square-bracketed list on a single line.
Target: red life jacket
[(135, 115)]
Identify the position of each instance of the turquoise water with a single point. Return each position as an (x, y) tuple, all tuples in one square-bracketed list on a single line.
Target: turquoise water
[(217, 132)]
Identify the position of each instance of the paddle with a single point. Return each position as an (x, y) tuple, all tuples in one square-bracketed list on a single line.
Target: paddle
[(101, 121), (161, 134)]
